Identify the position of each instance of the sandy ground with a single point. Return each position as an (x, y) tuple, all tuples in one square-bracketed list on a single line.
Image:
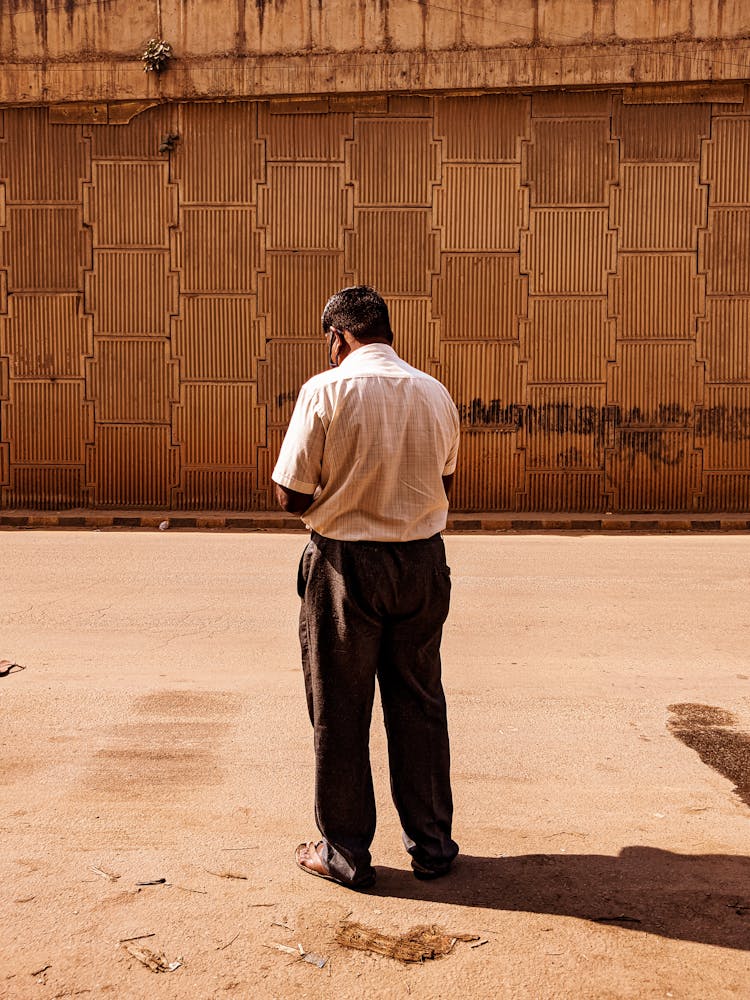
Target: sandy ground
[(159, 732)]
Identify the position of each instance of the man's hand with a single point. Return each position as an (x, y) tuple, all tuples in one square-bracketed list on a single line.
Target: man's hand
[(292, 501)]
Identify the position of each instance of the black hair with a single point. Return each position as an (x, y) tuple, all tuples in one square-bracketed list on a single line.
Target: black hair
[(361, 311)]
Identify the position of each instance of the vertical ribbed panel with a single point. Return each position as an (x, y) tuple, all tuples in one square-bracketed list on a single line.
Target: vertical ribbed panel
[(267, 456), (131, 381), (130, 204), (393, 162), (217, 338), (563, 427), (46, 422), (479, 296), (484, 379), (658, 206), (724, 340), (568, 251), (723, 428), (139, 139), (481, 128), (656, 295), (656, 383), (415, 335), (671, 132), (294, 290), (47, 487), (304, 137), (726, 162), (653, 470), (395, 251), (559, 492), (216, 249), (567, 340), (132, 466), (725, 252), (217, 159), (303, 206), (564, 104), (570, 162), (43, 248), (131, 291), (287, 365), (45, 336), (488, 472), (725, 492), (218, 424), (40, 162), (480, 207), (205, 489)]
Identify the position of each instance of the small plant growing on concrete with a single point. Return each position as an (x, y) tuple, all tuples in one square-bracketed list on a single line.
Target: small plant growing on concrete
[(156, 55)]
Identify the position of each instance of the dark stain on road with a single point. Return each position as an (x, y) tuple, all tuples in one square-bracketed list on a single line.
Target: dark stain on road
[(712, 734)]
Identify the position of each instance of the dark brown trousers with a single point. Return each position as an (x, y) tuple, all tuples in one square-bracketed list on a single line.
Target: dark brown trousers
[(377, 609)]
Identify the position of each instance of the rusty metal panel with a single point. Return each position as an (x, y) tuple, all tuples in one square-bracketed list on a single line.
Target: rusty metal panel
[(133, 465), (672, 133), (415, 333), (393, 161), (723, 428), (726, 162), (477, 129), (217, 489), (725, 491), (570, 162), (44, 247), (563, 427), (567, 339), (489, 473), (479, 296), (46, 422), (313, 276), (485, 380), (304, 206), (132, 381), (217, 158), (217, 338), (304, 136), (568, 250), (571, 104), (45, 487), (286, 366), (139, 139), (130, 204), (217, 249), (657, 296), (480, 207), (39, 163), (559, 492), (653, 469), (656, 384), (658, 206), (131, 292), (396, 250), (724, 340), (45, 336), (218, 424), (725, 252)]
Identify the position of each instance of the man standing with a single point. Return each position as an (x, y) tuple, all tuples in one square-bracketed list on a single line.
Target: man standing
[(367, 462)]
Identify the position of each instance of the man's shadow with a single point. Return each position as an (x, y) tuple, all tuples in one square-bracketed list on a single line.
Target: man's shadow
[(701, 897)]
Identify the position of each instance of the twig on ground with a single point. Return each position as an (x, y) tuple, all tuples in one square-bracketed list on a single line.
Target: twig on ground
[(40, 971), (137, 937), (100, 871), (221, 947), (236, 875)]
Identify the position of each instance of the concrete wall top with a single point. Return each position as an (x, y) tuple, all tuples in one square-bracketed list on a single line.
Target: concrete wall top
[(56, 51)]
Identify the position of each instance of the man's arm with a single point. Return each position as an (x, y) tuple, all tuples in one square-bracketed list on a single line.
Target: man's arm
[(292, 501), (448, 483)]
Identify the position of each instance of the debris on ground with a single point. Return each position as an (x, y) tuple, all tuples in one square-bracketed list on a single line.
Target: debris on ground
[(415, 945), (299, 952), (226, 874), (40, 971), (156, 961), (100, 871), (9, 667), (153, 881), (137, 937), (221, 947)]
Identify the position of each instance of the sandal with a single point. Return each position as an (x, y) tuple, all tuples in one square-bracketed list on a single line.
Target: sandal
[(321, 871)]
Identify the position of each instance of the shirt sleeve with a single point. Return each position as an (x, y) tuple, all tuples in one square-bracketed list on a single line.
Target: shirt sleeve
[(300, 460), (452, 459)]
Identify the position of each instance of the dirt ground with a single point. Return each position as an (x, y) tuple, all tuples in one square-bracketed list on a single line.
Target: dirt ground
[(159, 732)]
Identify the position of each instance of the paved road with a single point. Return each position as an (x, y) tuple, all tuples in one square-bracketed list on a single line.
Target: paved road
[(159, 731)]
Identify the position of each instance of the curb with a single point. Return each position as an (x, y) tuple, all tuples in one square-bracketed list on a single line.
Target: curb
[(457, 523)]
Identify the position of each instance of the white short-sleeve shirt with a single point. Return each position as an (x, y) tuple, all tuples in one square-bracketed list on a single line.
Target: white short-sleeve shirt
[(372, 439)]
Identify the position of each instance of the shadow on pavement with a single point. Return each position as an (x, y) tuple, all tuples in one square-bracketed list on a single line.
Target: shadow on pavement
[(700, 897)]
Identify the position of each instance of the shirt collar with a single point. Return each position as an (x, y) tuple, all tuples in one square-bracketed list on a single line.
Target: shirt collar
[(371, 351)]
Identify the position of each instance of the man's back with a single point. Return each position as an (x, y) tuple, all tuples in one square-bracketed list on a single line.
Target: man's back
[(381, 435)]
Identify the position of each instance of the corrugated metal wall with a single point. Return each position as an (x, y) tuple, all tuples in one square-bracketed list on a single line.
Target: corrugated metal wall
[(575, 268)]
